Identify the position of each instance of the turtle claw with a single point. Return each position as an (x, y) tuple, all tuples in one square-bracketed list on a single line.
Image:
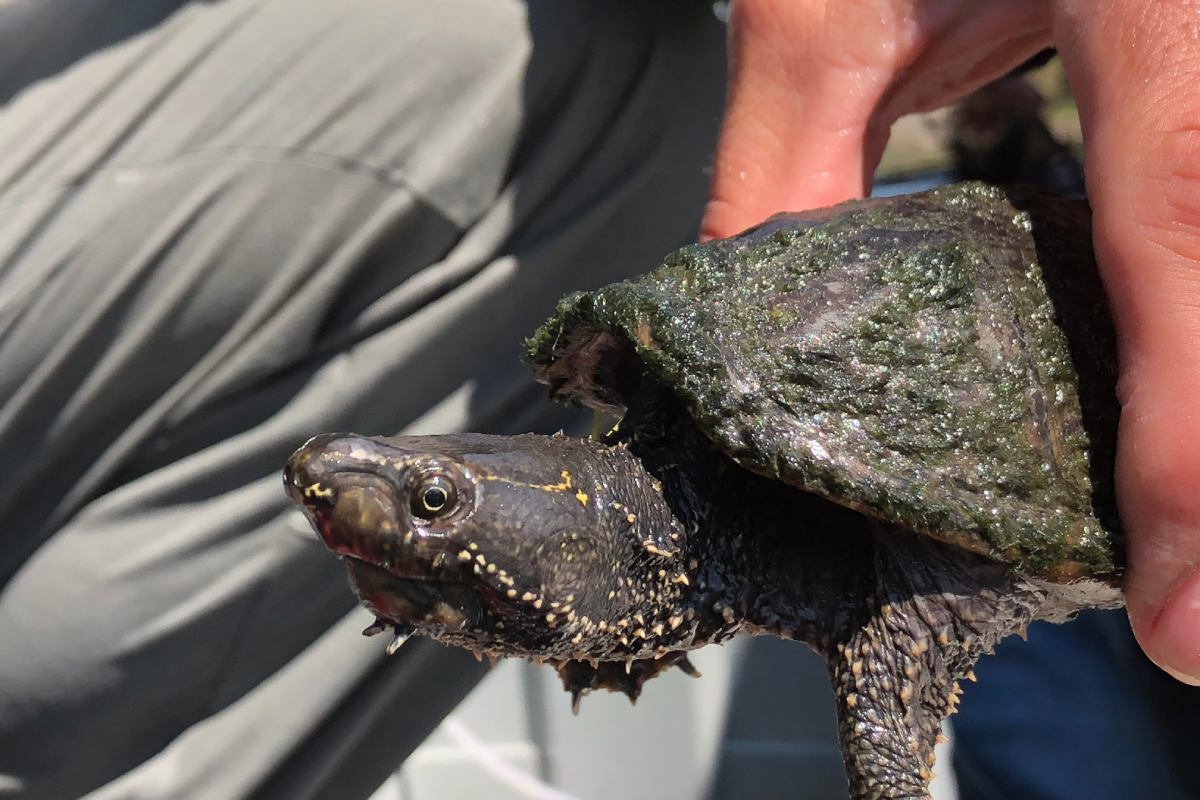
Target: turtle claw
[(627, 676), (402, 634), (375, 628), (688, 667)]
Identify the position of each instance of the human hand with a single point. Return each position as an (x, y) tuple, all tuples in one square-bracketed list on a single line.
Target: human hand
[(815, 86)]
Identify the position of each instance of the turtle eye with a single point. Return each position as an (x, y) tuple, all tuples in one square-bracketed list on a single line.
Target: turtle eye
[(433, 496)]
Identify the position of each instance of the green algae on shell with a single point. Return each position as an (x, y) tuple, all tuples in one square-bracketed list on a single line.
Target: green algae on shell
[(944, 360)]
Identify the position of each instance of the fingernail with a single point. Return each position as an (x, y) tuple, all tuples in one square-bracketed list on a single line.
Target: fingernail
[(1175, 638)]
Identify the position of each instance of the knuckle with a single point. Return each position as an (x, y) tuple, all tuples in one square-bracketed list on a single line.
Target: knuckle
[(1168, 209)]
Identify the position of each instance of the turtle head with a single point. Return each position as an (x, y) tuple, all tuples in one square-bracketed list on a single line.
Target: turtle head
[(528, 545)]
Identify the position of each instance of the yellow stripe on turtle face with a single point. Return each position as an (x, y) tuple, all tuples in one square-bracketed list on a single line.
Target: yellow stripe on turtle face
[(316, 490), (545, 487)]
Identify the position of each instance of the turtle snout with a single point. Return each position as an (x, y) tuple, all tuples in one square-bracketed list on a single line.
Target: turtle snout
[(306, 475), (347, 491)]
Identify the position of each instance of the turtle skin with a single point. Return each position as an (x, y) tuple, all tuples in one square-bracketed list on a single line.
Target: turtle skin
[(885, 429)]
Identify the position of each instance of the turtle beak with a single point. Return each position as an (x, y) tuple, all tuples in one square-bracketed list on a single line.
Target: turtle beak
[(348, 492)]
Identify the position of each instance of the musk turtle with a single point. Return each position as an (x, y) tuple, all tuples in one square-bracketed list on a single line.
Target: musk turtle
[(885, 429)]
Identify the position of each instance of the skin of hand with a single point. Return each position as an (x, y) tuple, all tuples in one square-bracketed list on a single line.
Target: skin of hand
[(814, 87)]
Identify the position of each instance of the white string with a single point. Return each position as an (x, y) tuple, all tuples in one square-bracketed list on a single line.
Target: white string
[(529, 785)]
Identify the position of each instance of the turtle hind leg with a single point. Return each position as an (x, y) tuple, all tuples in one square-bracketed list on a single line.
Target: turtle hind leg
[(933, 612)]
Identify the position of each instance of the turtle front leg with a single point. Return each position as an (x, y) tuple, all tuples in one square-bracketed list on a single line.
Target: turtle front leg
[(628, 677), (933, 611)]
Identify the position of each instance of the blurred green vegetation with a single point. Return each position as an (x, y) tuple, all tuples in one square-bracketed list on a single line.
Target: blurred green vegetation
[(919, 142)]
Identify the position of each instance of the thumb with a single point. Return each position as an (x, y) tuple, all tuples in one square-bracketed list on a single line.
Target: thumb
[(1135, 69)]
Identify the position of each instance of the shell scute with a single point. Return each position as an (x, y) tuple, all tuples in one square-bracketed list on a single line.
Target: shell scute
[(943, 360)]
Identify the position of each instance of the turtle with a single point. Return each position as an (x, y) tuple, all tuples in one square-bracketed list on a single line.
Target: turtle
[(885, 429)]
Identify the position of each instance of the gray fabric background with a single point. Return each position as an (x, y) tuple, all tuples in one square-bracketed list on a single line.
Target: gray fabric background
[(226, 226)]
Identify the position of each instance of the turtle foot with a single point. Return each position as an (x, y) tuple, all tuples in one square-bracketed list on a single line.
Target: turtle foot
[(627, 677)]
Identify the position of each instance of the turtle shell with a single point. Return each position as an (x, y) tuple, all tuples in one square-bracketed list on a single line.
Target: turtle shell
[(944, 361)]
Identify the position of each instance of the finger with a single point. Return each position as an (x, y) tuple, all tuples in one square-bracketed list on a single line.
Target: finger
[(796, 117), (815, 86), (1135, 69)]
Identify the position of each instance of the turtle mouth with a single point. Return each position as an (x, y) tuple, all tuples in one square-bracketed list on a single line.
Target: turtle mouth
[(402, 574), (355, 515), (422, 601)]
